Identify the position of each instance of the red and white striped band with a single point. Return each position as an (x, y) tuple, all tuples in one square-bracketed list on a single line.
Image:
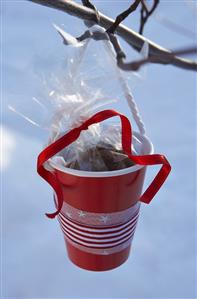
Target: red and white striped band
[(99, 233)]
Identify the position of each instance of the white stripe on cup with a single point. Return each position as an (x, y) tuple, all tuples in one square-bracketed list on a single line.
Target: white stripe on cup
[(119, 227), (98, 245), (121, 231), (116, 238)]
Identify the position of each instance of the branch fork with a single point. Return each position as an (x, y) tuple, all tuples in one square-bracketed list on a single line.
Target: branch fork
[(157, 54)]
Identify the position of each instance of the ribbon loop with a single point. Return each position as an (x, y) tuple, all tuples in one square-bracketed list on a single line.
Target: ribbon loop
[(71, 136)]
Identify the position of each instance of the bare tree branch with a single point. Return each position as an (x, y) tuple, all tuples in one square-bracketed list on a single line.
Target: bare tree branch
[(145, 13), (162, 58), (133, 38), (87, 3), (120, 55), (123, 16)]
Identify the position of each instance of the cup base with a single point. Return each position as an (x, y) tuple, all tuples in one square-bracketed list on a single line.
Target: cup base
[(95, 262)]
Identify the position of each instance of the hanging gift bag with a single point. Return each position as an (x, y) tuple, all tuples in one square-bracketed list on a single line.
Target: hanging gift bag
[(98, 180)]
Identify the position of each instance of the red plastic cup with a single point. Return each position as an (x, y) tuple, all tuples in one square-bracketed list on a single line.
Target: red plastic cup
[(100, 212)]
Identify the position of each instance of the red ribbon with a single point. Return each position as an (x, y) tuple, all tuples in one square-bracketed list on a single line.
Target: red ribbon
[(71, 136)]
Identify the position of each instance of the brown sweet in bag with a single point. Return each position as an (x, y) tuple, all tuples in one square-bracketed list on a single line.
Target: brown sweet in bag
[(103, 157)]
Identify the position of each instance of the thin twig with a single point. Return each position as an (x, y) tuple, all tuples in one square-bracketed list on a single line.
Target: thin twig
[(144, 5), (87, 3), (145, 13), (162, 58), (123, 16), (117, 48), (130, 36)]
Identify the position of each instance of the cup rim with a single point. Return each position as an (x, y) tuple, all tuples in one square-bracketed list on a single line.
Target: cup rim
[(148, 149)]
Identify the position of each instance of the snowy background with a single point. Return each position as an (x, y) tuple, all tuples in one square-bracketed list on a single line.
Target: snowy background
[(163, 260)]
